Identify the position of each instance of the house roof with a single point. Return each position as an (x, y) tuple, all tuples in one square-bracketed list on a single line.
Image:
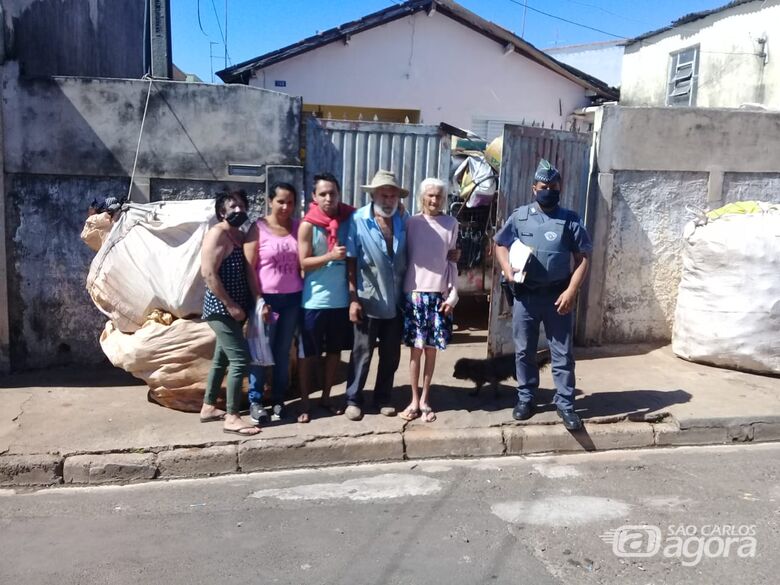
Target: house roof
[(241, 72), (687, 19)]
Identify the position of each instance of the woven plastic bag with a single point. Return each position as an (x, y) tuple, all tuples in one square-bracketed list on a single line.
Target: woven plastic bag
[(257, 337), (728, 303)]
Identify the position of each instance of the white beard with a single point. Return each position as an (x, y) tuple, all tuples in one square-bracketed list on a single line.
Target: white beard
[(382, 213)]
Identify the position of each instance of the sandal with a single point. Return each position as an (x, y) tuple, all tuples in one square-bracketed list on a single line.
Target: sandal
[(410, 413), (243, 431), (303, 418), (331, 408), (427, 414)]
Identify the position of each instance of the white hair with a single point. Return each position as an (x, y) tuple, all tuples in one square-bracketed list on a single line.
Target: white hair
[(435, 183)]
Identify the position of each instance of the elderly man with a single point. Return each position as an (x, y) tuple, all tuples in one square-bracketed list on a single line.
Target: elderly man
[(376, 265), (544, 289)]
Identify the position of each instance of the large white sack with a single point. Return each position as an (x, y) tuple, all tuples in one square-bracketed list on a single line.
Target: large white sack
[(151, 260), (728, 304), (174, 360)]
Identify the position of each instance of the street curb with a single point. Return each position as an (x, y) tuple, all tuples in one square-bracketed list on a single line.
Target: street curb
[(411, 443)]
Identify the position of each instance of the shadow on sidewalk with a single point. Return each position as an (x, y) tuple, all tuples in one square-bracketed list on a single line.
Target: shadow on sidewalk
[(81, 376), (636, 404)]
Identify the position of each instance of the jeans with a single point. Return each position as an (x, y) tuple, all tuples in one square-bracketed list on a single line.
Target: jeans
[(231, 354), (370, 333), (530, 309), (286, 308)]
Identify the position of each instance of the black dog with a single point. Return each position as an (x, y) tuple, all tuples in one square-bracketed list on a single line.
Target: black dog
[(492, 370)]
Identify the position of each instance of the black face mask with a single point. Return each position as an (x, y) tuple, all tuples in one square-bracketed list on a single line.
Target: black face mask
[(236, 218), (548, 197)]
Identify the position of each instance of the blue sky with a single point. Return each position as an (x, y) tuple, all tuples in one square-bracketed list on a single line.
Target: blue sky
[(255, 27)]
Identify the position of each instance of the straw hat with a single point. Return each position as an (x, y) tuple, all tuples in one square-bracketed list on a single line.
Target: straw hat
[(384, 179)]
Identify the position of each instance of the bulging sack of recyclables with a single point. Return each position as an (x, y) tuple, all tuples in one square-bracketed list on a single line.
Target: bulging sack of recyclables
[(728, 304), (151, 260)]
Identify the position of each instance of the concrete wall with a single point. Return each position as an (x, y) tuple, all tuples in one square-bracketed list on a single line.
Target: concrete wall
[(601, 60), (652, 163), (67, 140), (731, 71), (432, 64), (89, 38)]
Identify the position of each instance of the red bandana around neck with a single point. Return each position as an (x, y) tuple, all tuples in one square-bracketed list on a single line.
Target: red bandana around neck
[(316, 216)]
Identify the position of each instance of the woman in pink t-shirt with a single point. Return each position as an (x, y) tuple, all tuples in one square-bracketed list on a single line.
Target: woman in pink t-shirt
[(271, 250), (430, 291)]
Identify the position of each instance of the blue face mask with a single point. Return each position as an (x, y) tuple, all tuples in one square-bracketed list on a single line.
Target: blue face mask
[(548, 197)]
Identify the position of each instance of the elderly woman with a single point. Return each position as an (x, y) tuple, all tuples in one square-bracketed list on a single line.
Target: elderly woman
[(271, 249), (225, 306), (430, 291)]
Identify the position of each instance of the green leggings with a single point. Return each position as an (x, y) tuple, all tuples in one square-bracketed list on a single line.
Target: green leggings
[(232, 354)]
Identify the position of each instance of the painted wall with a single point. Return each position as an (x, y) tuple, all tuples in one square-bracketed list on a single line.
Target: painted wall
[(432, 64), (67, 140), (601, 60), (90, 38), (731, 72), (653, 163)]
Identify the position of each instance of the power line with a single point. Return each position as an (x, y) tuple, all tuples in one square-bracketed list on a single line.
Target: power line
[(221, 34), (200, 24), (529, 7)]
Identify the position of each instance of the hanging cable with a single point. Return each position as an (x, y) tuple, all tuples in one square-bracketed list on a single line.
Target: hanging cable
[(140, 135), (529, 7)]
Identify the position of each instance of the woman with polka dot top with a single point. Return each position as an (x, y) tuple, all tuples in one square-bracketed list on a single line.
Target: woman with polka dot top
[(226, 304)]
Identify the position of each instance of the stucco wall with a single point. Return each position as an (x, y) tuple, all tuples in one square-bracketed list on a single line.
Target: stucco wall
[(643, 251), (52, 319), (432, 64), (67, 140), (652, 163), (730, 71)]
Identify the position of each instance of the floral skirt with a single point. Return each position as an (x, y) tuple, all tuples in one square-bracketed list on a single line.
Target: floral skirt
[(424, 324)]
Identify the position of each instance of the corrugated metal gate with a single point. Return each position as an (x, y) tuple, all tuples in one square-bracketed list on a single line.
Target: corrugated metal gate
[(354, 151), (523, 147)]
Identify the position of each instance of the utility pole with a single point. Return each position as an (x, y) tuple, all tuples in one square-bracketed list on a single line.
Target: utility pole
[(211, 58)]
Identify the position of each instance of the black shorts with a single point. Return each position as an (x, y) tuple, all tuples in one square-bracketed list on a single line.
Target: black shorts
[(324, 331)]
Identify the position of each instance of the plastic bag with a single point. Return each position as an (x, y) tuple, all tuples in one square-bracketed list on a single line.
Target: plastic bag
[(257, 337), (151, 260), (728, 304), (174, 360)]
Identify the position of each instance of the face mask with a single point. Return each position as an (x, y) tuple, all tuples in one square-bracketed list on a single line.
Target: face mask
[(378, 210), (548, 197), (236, 218)]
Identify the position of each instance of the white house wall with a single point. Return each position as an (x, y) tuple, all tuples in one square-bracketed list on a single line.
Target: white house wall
[(730, 71), (432, 64)]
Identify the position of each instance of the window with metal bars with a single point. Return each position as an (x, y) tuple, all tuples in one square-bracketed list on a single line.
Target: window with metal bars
[(683, 77)]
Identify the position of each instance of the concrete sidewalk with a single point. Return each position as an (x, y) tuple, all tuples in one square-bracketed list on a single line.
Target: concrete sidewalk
[(82, 427)]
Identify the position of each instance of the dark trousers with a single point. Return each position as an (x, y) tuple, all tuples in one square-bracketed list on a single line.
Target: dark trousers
[(529, 310), (384, 334)]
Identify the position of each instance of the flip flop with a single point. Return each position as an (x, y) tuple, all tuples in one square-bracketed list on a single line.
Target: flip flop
[(332, 409), (427, 414), (410, 414), (240, 431), (212, 418)]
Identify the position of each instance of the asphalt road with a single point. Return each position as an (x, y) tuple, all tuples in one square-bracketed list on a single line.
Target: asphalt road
[(706, 515)]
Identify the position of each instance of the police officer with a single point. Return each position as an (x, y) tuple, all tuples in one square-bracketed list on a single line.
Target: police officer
[(548, 291)]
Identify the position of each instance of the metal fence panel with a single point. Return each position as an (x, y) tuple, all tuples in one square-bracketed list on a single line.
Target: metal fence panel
[(523, 147), (354, 151)]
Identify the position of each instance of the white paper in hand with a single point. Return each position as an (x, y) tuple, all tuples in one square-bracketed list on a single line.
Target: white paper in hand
[(519, 255)]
